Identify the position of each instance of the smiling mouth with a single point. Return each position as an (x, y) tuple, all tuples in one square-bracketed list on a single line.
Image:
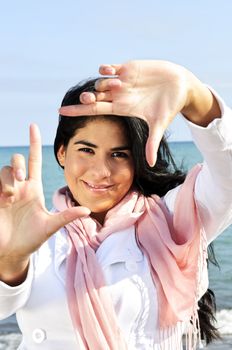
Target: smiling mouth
[(97, 188)]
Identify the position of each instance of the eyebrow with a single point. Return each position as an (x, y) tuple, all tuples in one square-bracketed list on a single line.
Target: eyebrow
[(89, 144)]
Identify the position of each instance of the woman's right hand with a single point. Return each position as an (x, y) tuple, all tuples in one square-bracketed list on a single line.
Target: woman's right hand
[(25, 223)]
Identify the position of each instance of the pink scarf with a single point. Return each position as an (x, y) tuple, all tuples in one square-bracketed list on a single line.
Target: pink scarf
[(173, 245)]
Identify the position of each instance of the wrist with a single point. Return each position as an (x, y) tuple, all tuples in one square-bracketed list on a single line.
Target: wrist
[(13, 271), (201, 106)]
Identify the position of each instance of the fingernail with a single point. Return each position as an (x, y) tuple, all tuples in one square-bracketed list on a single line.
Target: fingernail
[(151, 161), (109, 70), (85, 96), (20, 175)]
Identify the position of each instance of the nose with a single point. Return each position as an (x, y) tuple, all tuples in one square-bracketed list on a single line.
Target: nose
[(101, 168)]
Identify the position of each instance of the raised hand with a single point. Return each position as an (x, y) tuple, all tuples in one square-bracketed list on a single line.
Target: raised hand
[(152, 90), (25, 223)]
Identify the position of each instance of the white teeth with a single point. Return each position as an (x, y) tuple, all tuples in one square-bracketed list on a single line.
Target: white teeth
[(97, 187)]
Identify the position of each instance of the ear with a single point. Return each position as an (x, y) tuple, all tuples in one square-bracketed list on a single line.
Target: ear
[(61, 155)]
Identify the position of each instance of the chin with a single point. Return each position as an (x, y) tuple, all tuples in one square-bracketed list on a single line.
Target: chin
[(99, 210)]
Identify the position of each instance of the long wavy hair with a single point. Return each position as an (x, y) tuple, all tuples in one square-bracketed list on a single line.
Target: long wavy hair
[(158, 180)]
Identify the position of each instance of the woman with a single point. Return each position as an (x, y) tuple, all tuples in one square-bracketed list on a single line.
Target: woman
[(127, 272)]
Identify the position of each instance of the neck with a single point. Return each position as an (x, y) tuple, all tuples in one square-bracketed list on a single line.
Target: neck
[(99, 217)]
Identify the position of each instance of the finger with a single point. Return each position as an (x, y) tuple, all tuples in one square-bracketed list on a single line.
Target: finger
[(89, 109), (103, 85), (7, 181), (90, 97), (152, 145), (35, 154), (58, 220), (110, 69), (19, 167), (87, 98), (104, 96)]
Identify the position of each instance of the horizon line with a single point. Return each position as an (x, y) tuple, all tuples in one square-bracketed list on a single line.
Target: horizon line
[(51, 145)]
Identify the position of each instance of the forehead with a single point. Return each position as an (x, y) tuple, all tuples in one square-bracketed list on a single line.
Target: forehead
[(104, 128)]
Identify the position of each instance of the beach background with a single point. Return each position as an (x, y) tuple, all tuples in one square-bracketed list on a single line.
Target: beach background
[(220, 279), (49, 46)]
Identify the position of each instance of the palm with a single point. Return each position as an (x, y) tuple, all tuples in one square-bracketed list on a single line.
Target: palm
[(25, 221), (151, 92)]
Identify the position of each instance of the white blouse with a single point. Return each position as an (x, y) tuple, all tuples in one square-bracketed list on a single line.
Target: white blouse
[(40, 302)]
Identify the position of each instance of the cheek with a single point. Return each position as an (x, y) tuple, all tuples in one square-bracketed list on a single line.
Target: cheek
[(74, 168), (126, 176)]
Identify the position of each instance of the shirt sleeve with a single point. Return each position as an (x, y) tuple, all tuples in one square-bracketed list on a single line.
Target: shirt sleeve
[(213, 188), (13, 298)]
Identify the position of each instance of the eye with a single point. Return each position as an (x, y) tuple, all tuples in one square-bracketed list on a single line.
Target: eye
[(86, 150), (120, 155)]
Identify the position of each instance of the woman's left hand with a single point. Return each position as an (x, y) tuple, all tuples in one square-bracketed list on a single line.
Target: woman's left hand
[(155, 91)]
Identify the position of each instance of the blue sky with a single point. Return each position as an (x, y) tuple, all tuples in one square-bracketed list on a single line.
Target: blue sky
[(48, 46)]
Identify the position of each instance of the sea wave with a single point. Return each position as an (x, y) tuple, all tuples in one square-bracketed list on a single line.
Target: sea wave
[(224, 321)]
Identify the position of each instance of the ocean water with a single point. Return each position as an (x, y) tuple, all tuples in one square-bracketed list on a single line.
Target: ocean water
[(186, 154)]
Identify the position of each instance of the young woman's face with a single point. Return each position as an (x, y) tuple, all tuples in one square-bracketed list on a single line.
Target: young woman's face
[(98, 165)]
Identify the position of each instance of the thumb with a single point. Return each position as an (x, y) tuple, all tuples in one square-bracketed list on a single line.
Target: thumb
[(58, 220), (152, 145)]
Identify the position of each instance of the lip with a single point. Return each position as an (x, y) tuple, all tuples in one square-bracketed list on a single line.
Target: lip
[(97, 188)]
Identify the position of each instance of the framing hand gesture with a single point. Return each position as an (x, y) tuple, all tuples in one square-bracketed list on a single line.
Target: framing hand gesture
[(25, 223), (155, 91)]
